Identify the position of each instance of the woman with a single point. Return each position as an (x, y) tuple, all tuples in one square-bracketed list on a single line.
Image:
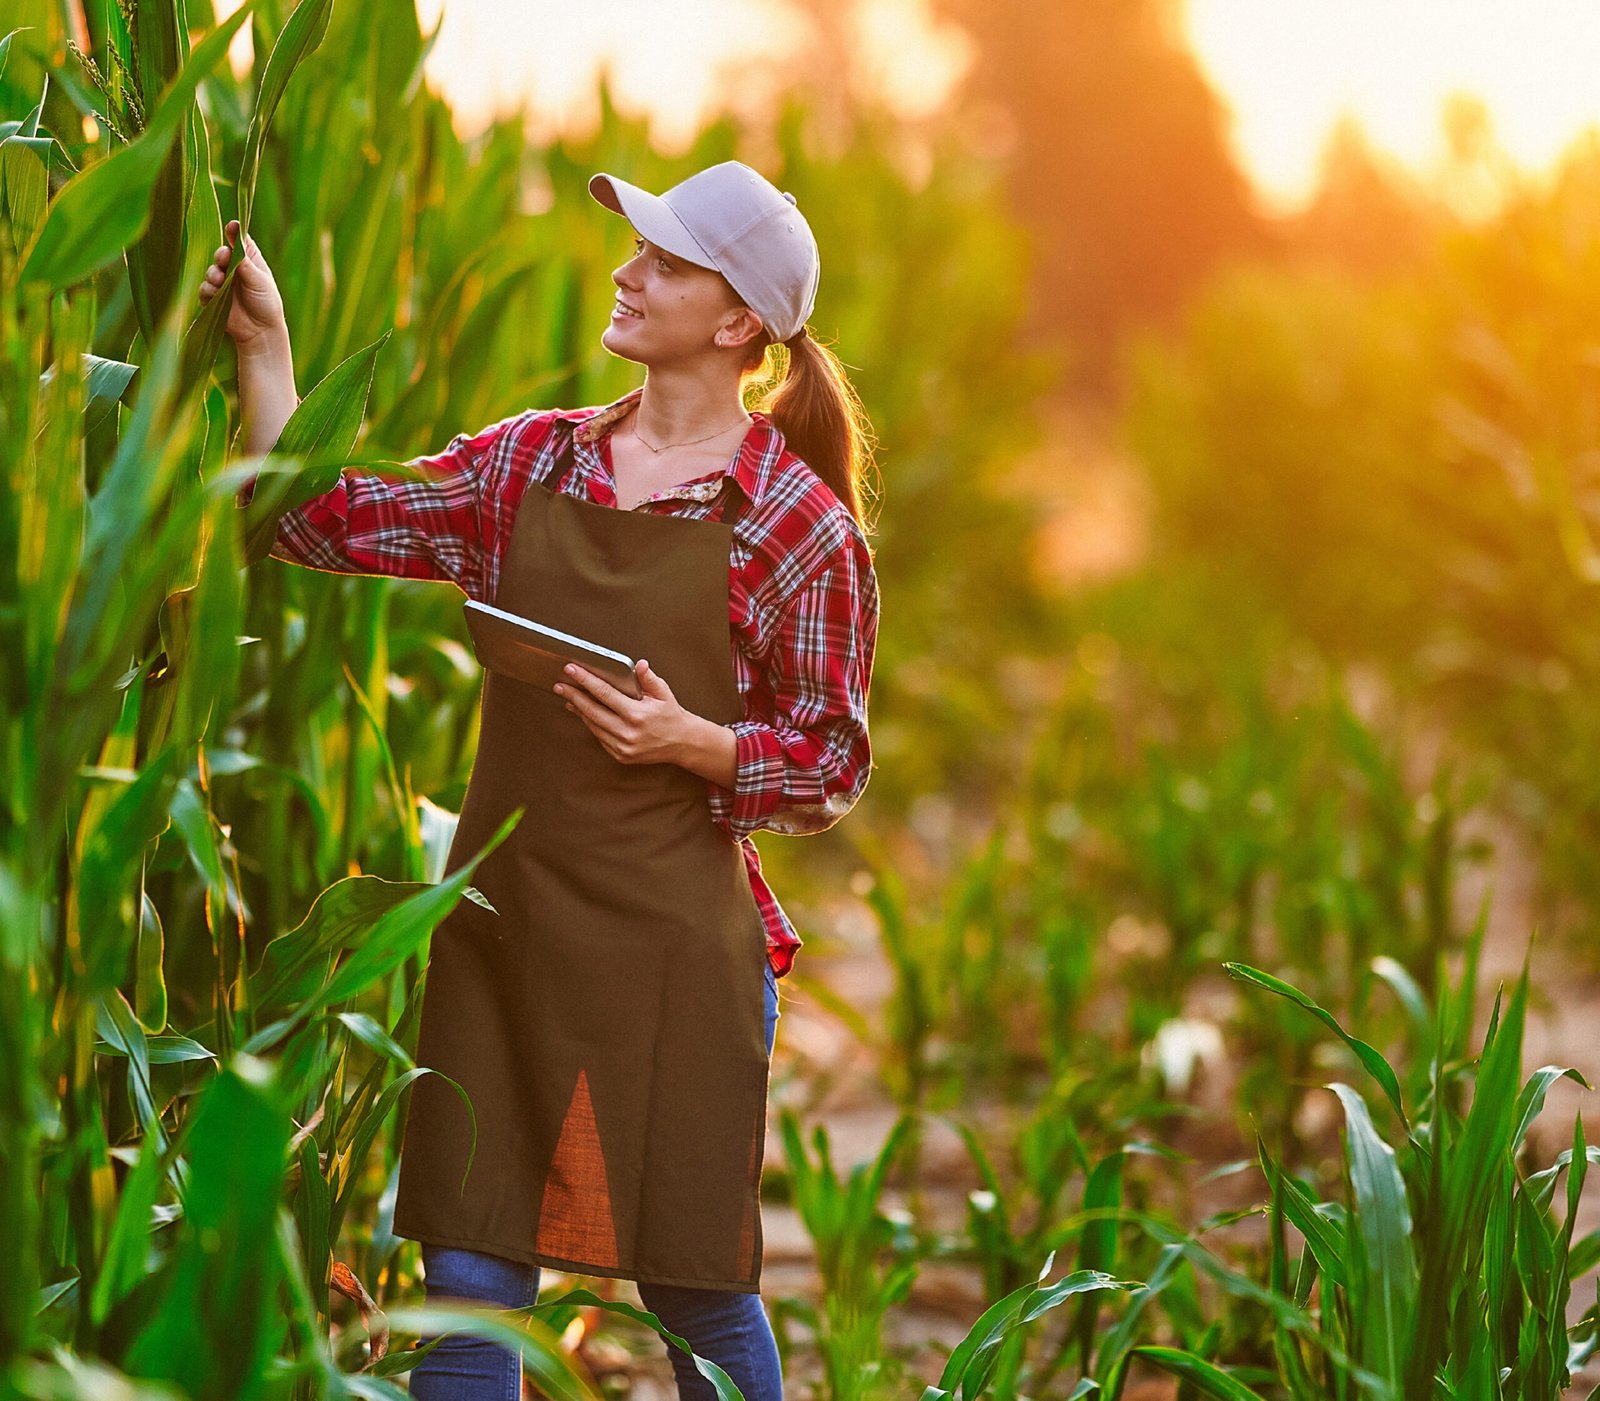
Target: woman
[(602, 1016)]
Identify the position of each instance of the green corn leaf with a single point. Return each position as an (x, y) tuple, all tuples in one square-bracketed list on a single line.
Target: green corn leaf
[(169, 1050), (297, 39), (1575, 1180), (1586, 1253), (295, 963), (326, 422), (1284, 1311), (192, 818), (112, 855), (125, 1264), (354, 1152), (100, 212), (374, 1037), (1467, 1181), (1097, 1246), (1408, 993), (377, 945), (1530, 1102), (517, 1330), (51, 1292), (400, 930), (115, 1021), (1298, 1205), (1115, 1343), (587, 1298), (155, 260), (1541, 1185), (29, 126), (108, 383), (1286, 1347), (972, 1360), (150, 978), (1371, 1060), (24, 190), (1382, 1221), (1207, 1378), (1502, 1296), (1536, 1269), (1557, 1283), (312, 1203), (225, 1263)]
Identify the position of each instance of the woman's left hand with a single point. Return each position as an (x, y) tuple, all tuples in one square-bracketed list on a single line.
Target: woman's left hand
[(646, 731)]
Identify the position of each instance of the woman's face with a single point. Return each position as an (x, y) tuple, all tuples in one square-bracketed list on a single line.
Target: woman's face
[(671, 310)]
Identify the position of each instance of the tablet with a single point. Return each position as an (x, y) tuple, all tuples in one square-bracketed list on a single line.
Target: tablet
[(528, 651)]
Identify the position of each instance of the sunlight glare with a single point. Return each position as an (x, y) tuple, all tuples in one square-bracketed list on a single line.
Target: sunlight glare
[(670, 62), (1289, 68)]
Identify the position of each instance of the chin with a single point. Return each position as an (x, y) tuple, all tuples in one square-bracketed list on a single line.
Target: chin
[(607, 342)]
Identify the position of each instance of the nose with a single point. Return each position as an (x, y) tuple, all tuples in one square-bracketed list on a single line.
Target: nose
[(627, 274)]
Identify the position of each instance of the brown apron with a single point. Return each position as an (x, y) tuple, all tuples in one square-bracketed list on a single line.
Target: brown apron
[(607, 1023)]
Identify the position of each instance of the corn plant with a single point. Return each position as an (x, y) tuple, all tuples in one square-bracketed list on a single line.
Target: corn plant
[(188, 1120), (1444, 1271), (850, 1230), (1049, 1153), (983, 1362)]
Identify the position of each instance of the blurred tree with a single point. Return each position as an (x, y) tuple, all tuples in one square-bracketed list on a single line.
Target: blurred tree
[(1118, 160), (1368, 216)]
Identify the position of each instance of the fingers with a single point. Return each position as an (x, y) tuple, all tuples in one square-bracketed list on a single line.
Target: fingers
[(597, 686), (249, 270), (252, 254), (593, 695), (215, 275), (602, 720)]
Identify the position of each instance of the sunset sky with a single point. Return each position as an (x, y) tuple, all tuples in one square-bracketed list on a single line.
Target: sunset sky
[(1287, 69)]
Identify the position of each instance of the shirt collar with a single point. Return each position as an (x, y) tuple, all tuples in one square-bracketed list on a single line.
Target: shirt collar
[(750, 467)]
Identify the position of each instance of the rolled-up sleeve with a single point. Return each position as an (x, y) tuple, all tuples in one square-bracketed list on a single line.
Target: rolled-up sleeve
[(802, 772), (372, 522)]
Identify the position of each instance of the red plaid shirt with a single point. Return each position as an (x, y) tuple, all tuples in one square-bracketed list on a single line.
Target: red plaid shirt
[(803, 595)]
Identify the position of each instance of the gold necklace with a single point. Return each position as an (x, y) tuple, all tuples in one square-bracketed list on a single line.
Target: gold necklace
[(634, 424)]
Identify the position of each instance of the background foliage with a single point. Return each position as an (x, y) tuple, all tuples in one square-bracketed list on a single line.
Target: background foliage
[(1206, 822)]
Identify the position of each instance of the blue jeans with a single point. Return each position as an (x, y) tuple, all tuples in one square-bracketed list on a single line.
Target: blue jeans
[(728, 1327)]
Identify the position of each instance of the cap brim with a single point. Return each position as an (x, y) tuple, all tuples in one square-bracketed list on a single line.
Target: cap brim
[(651, 216)]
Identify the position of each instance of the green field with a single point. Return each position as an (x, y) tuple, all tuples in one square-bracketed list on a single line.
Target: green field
[(1200, 1001)]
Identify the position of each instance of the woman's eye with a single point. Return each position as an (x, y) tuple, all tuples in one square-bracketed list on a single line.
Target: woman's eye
[(661, 259)]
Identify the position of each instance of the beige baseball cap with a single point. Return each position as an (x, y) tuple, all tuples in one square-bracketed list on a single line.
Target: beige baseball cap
[(733, 219)]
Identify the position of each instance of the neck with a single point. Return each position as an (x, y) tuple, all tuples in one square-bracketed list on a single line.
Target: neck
[(676, 405)]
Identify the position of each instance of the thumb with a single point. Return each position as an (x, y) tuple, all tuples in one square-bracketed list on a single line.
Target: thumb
[(649, 682)]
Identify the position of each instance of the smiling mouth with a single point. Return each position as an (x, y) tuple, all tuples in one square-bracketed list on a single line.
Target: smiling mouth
[(622, 309)]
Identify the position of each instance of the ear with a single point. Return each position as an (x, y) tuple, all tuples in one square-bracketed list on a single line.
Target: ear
[(739, 327)]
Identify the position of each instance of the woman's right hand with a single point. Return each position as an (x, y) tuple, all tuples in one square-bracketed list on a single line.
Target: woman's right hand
[(257, 309)]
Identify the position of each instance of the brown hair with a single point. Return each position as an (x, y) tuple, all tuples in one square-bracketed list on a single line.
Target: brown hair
[(816, 408)]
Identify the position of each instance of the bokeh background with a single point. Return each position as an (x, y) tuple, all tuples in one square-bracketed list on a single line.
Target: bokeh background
[(1235, 367)]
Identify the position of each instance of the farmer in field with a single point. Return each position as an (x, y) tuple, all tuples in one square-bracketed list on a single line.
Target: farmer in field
[(612, 1018)]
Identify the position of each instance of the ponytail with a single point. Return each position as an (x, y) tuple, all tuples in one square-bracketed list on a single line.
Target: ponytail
[(816, 408)]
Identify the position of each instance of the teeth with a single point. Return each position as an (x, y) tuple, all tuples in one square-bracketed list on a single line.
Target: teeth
[(627, 310)]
